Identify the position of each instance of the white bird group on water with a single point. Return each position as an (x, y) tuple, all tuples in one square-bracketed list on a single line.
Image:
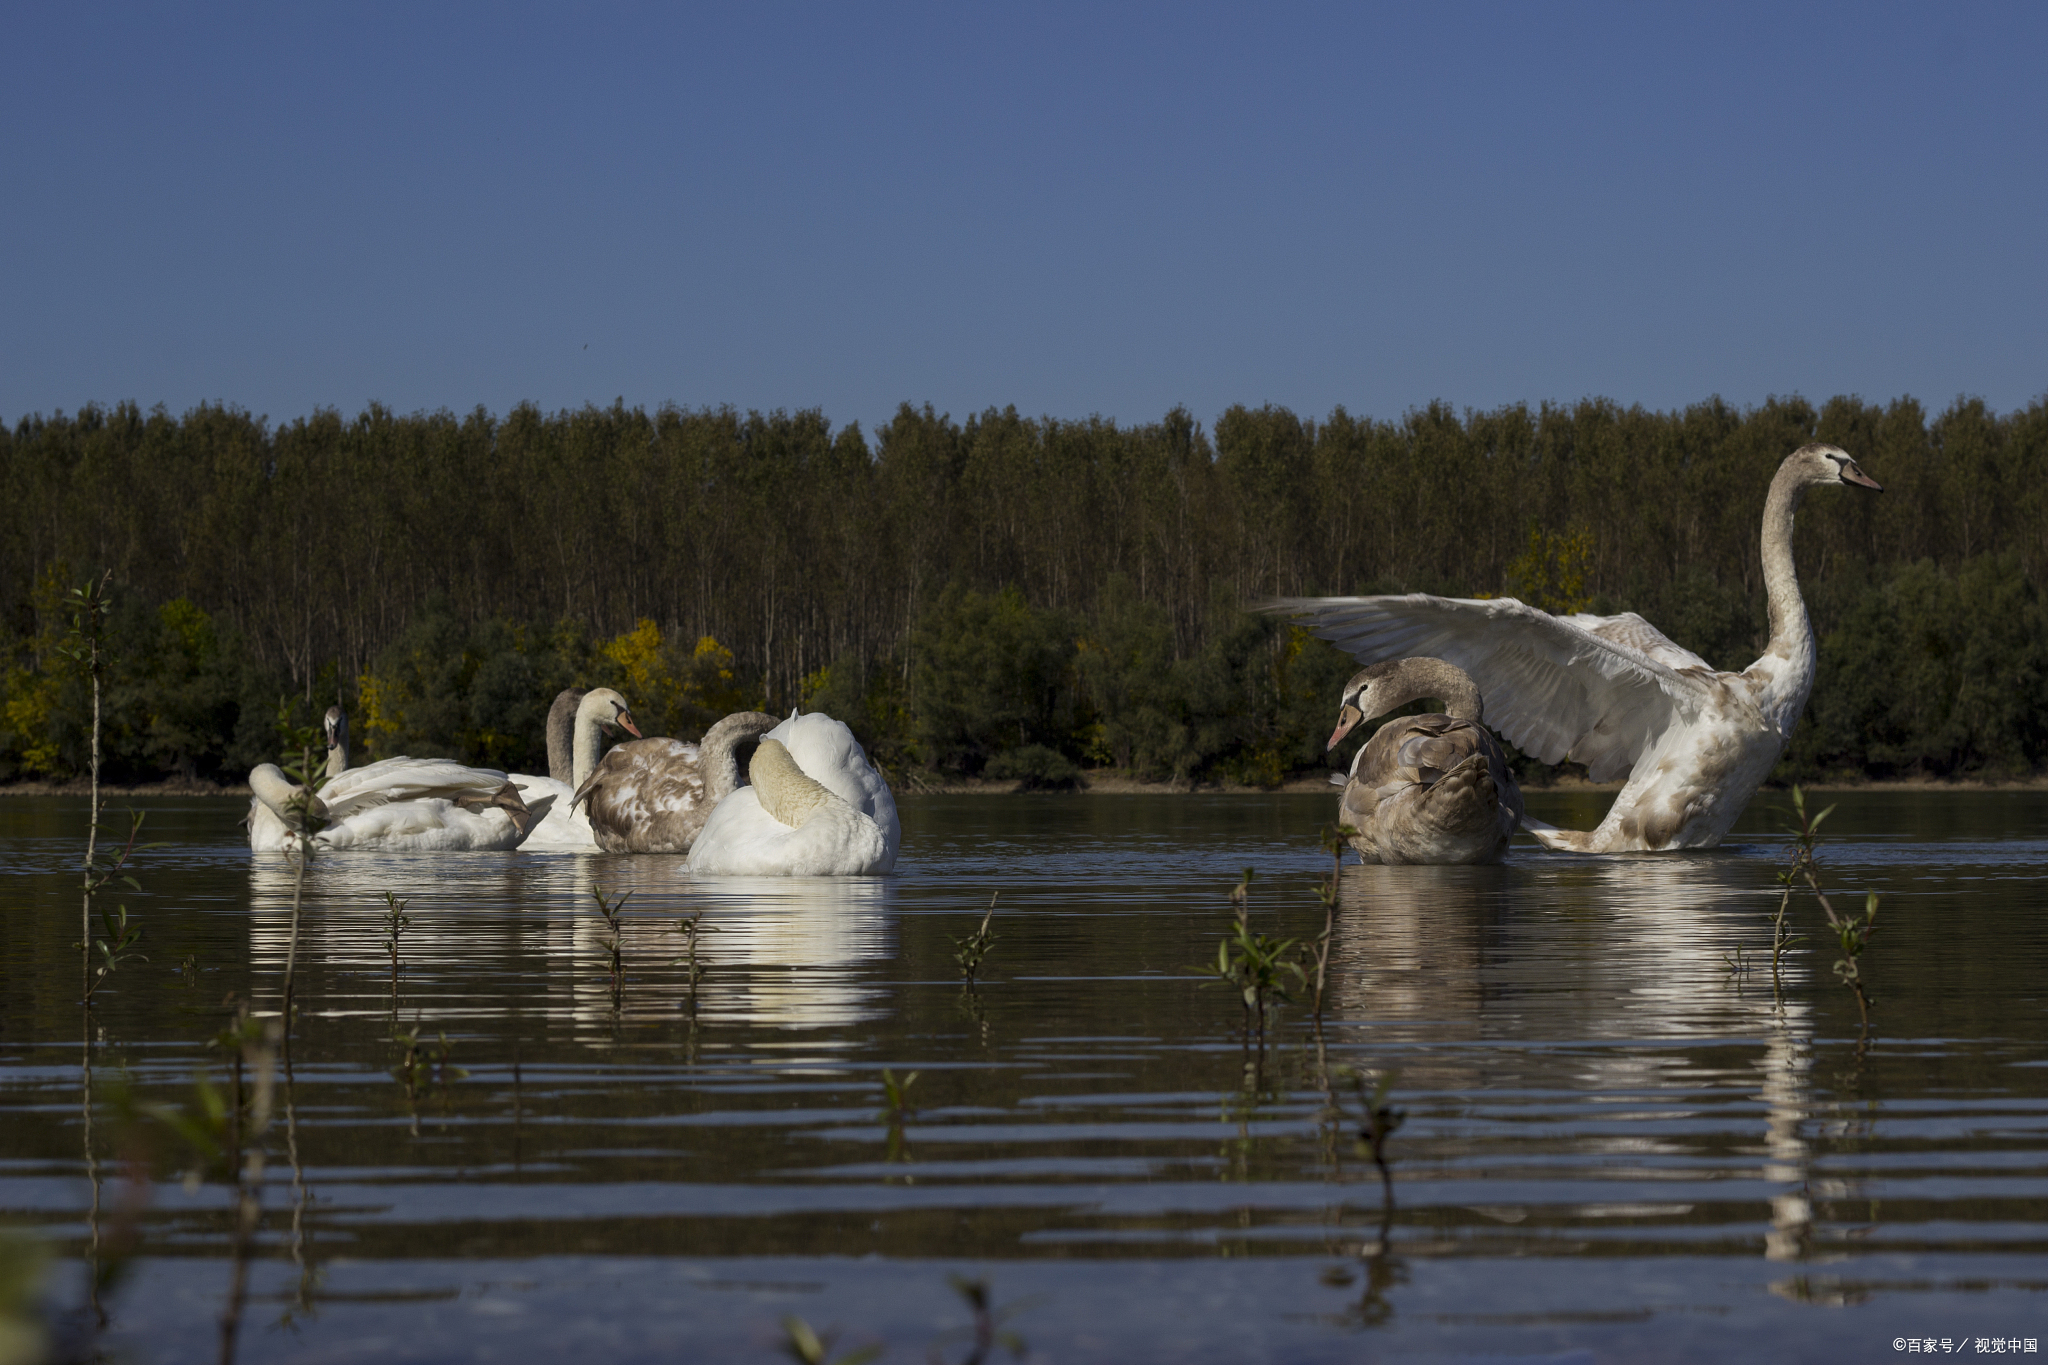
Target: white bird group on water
[(811, 804), (1611, 692)]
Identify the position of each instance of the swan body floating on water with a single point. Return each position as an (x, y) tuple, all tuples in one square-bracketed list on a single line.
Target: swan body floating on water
[(1614, 693), (654, 795), (1425, 789), (815, 808), (397, 805), (576, 725)]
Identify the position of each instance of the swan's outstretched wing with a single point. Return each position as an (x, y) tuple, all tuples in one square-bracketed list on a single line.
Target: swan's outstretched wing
[(1553, 688), (1633, 631), (408, 779)]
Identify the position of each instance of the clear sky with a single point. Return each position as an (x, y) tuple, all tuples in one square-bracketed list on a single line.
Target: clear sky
[(1093, 208)]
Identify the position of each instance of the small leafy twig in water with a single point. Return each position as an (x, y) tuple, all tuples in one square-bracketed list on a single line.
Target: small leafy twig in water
[(988, 1330), (116, 944), (896, 1095), (1852, 930), (1318, 952), (808, 1347), (1256, 964), (423, 1061), (1381, 1120), (614, 947), (897, 1108), (306, 816), (253, 1044), (396, 922), (692, 928), (88, 606), (970, 950)]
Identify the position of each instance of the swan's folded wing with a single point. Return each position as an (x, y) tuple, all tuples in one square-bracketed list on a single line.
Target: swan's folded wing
[(1633, 631), (1554, 689), (407, 779)]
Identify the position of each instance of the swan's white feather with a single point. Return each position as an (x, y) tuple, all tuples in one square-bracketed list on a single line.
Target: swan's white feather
[(400, 805), (855, 832), (1553, 687), (566, 826)]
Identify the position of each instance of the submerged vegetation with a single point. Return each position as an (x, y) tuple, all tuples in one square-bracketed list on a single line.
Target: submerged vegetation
[(1001, 596)]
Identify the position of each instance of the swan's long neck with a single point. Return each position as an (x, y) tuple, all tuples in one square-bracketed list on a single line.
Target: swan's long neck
[(1788, 660), (337, 744), (718, 751), (289, 802), (1425, 677), (583, 756), (784, 791), (563, 718)]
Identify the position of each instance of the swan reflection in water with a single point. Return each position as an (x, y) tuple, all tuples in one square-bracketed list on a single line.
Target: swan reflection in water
[(1598, 954), (778, 952), (1583, 948)]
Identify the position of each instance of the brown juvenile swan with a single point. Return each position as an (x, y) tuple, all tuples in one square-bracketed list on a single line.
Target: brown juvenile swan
[(1425, 789), (654, 795), (1613, 693)]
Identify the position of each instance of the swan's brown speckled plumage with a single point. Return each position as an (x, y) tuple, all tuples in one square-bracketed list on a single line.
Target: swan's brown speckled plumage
[(654, 795), (1425, 789)]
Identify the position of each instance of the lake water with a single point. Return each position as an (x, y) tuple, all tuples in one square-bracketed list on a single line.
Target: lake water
[(1618, 1145)]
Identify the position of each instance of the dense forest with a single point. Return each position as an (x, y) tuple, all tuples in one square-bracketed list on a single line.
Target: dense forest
[(1006, 596)]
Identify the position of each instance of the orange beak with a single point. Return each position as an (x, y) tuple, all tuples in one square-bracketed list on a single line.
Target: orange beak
[(1346, 718)]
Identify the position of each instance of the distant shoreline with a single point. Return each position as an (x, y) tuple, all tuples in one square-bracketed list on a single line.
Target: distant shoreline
[(1099, 784)]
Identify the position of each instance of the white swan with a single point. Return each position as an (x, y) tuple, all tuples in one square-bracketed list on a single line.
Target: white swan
[(1613, 693), (576, 726), (654, 795), (816, 808), (396, 805), (1425, 789)]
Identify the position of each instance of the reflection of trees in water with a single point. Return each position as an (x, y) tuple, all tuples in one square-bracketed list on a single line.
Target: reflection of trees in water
[(786, 952)]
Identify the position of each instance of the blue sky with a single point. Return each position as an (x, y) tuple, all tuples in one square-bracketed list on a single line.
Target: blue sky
[(1074, 209)]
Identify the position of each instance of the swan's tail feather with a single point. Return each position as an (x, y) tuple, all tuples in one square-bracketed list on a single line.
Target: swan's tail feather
[(536, 811), (507, 799), (1561, 840)]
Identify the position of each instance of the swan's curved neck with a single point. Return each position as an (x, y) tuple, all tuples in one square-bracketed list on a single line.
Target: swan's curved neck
[(1422, 677), (563, 717), (337, 756), (289, 802), (718, 752), (1791, 629), (589, 735), (784, 790)]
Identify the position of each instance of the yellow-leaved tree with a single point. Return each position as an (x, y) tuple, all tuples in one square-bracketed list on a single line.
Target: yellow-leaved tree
[(673, 691)]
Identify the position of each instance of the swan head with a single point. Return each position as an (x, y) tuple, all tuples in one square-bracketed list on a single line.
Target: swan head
[(1820, 464), (608, 709), (1379, 688), (336, 726)]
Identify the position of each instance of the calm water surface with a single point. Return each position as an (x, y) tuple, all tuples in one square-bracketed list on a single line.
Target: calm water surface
[(1616, 1148)]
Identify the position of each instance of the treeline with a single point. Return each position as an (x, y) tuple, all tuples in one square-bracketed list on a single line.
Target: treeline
[(1002, 595)]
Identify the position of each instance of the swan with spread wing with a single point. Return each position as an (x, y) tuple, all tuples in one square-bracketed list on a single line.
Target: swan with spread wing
[(1612, 692)]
